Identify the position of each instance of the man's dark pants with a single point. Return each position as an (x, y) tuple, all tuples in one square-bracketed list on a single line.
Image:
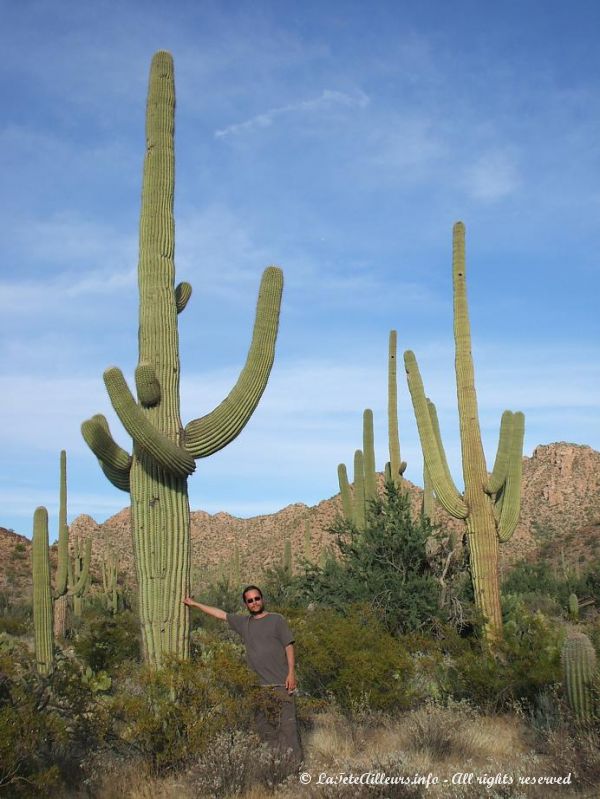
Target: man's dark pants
[(276, 721)]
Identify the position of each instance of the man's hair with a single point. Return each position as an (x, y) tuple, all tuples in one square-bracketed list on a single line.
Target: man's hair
[(251, 588)]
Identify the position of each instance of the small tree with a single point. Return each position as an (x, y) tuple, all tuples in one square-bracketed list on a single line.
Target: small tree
[(385, 565)]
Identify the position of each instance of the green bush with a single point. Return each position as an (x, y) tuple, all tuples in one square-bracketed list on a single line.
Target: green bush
[(103, 640), (351, 658), (46, 724), (385, 566), (171, 716)]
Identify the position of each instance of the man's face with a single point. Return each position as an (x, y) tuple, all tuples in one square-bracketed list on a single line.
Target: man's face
[(254, 602)]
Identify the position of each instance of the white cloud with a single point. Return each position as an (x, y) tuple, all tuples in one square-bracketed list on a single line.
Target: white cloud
[(328, 99)]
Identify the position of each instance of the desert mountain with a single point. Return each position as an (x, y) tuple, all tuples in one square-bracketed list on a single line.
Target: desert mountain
[(560, 519)]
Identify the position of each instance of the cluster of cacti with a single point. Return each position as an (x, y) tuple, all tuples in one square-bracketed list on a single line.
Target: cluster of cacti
[(355, 501), (72, 579), (491, 503), (164, 451), (580, 676), (110, 573)]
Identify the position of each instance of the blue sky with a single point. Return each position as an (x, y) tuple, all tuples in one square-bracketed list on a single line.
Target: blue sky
[(341, 141)]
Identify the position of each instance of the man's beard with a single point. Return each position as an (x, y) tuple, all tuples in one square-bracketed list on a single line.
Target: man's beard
[(254, 612)]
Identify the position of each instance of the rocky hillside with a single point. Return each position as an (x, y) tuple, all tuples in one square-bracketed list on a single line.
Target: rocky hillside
[(560, 520)]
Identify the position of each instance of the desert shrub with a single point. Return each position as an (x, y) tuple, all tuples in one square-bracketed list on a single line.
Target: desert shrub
[(171, 716), (46, 724), (351, 658), (386, 565), (16, 619), (525, 663), (103, 640)]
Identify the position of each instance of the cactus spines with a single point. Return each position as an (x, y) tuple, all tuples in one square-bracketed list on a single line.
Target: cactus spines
[(578, 660), (42, 594), (164, 450), (490, 504)]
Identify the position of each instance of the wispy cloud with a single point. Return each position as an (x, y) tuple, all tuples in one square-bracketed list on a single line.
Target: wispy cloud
[(492, 177), (328, 99)]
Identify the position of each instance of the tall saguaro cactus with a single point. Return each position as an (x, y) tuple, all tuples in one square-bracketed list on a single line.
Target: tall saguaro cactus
[(164, 451), (42, 594), (490, 504)]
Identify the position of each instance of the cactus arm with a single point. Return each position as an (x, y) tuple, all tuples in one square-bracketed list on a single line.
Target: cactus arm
[(369, 455), (435, 460), (174, 459), (82, 577), (147, 385), (183, 292), (42, 594), (114, 461), (500, 470), (359, 490), (345, 491), (214, 431), (63, 531), (511, 494)]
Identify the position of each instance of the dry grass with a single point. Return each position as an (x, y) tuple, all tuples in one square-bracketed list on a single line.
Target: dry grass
[(437, 740)]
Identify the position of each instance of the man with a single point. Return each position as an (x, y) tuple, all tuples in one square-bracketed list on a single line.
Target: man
[(270, 653)]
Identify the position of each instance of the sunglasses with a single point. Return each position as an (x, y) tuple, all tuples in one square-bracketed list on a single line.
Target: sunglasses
[(252, 599)]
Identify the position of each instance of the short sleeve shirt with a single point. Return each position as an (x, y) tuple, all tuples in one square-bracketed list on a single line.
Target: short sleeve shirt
[(265, 639)]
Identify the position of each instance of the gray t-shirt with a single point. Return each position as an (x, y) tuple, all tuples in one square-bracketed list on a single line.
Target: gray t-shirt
[(265, 641)]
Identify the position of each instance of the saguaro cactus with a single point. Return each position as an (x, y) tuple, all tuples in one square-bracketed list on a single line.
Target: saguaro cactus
[(365, 474), (42, 594), (71, 577), (164, 451), (110, 571), (491, 503), (578, 660)]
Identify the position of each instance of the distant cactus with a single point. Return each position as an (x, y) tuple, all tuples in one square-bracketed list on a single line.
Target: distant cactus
[(42, 594), (491, 503), (164, 449), (71, 576), (573, 607), (578, 660), (307, 541), (287, 562), (354, 503), (110, 571)]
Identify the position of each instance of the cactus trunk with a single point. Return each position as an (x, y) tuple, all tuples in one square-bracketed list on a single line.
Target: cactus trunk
[(42, 594)]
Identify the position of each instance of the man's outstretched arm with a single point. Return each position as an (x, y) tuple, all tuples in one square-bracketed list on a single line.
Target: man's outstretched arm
[(216, 612)]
